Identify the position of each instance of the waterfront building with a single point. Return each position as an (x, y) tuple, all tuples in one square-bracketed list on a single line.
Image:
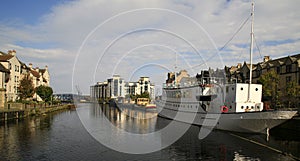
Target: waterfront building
[(39, 76), (100, 91), (116, 87), (131, 88), (11, 63), (12, 70), (287, 69)]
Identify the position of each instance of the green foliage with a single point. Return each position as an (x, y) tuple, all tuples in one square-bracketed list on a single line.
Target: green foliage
[(143, 95), (292, 94), (270, 83), (26, 89), (44, 92)]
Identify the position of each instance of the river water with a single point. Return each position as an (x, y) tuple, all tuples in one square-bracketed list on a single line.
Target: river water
[(64, 136)]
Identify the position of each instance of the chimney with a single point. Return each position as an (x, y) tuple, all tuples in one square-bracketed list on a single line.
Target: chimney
[(12, 52), (30, 65), (266, 58), (239, 65)]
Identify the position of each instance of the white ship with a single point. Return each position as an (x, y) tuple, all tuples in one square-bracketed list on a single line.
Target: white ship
[(210, 102)]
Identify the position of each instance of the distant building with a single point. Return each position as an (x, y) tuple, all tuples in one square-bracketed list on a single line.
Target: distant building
[(116, 87)]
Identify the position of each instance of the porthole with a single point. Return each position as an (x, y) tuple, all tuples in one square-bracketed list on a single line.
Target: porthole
[(256, 89), (242, 88), (232, 88), (258, 107), (247, 107), (252, 107), (242, 107)]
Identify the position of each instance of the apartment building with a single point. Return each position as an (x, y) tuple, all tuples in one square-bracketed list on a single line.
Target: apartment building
[(116, 87), (287, 68), (12, 70)]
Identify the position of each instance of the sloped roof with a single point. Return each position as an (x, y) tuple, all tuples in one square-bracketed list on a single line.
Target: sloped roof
[(279, 61), (5, 57), (42, 71), (292, 58), (35, 73), (3, 69)]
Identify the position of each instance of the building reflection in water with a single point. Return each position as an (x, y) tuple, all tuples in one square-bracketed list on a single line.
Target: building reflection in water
[(137, 121)]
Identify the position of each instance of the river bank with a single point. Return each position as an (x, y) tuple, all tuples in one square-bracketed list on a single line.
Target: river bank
[(25, 111)]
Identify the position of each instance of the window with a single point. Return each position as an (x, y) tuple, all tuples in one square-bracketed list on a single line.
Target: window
[(248, 75), (17, 68), (278, 70), (289, 68), (259, 72)]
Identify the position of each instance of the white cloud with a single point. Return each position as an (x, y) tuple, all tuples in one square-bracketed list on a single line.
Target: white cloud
[(69, 24)]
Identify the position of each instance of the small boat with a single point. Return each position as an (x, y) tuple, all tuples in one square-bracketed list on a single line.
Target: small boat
[(140, 104), (150, 106)]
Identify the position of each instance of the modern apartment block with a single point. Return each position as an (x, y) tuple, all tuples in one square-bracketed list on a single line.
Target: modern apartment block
[(116, 87)]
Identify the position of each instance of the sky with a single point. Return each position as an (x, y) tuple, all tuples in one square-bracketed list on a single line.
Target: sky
[(87, 41)]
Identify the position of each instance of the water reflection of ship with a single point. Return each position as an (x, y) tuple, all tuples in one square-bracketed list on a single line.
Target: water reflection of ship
[(211, 102), (220, 145)]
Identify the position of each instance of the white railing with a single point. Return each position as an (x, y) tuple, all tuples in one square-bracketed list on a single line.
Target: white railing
[(202, 81)]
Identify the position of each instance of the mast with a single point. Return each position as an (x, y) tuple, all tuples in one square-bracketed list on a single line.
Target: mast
[(251, 43), (251, 51), (175, 70)]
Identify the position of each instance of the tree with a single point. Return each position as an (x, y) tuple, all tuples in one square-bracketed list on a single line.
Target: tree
[(292, 94), (145, 95), (270, 83), (44, 92), (26, 89)]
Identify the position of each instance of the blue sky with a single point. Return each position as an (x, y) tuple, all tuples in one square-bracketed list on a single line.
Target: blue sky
[(26, 11), (80, 39)]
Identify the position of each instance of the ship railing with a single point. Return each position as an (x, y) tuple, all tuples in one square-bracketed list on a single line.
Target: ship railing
[(197, 82), (211, 80)]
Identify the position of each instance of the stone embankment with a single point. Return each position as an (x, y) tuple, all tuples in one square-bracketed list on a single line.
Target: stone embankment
[(21, 111)]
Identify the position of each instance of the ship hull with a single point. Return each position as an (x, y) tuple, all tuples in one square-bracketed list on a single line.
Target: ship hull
[(248, 122)]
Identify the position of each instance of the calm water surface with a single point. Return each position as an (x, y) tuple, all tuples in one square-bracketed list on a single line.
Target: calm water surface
[(61, 136)]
